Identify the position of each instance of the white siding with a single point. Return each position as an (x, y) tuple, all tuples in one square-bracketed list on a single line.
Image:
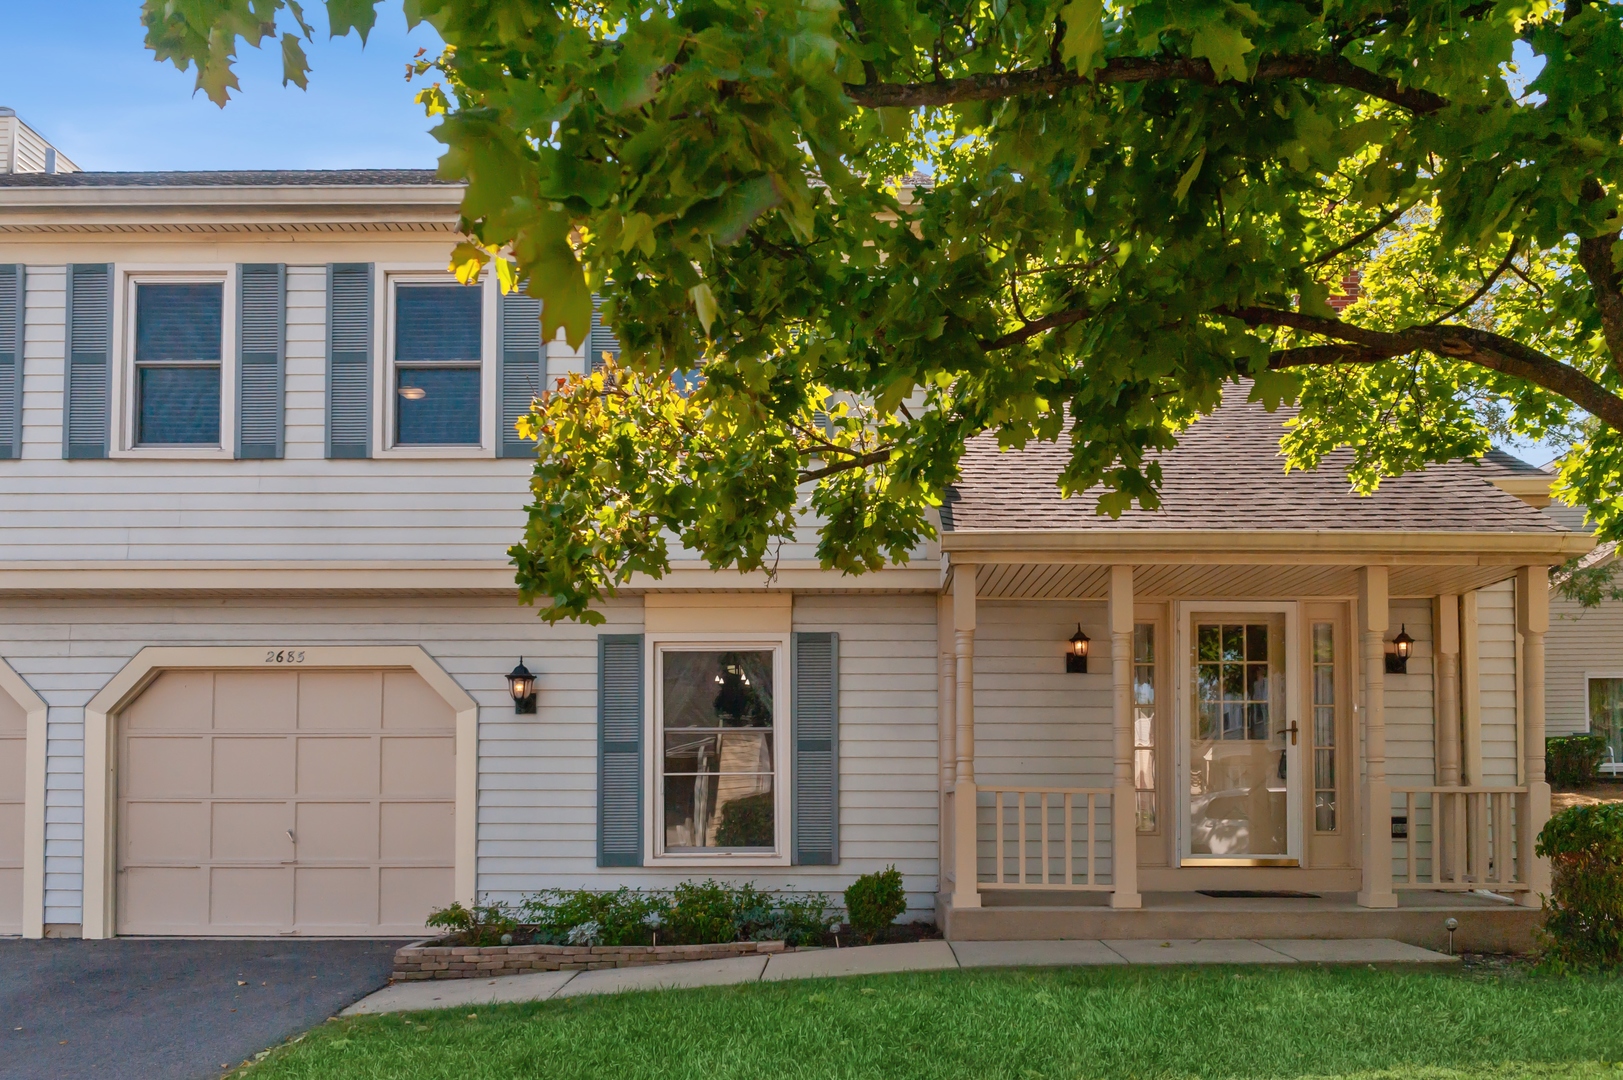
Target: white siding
[(1410, 723), (537, 803), (1582, 642), (1496, 632)]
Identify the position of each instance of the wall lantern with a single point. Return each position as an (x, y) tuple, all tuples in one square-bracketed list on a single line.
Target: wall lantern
[(1076, 661), (1397, 661), (521, 684)]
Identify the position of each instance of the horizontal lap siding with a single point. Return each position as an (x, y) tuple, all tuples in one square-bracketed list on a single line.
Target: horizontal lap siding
[(1411, 727), (1496, 629), (1582, 642)]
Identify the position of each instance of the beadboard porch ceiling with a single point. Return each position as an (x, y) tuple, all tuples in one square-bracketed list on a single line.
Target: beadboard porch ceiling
[(1237, 581)]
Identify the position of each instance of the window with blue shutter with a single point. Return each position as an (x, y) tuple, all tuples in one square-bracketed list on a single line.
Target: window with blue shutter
[(261, 356), (178, 326), (436, 364), (815, 731), (349, 360), (521, 371), (601, 340), (11, 361), (88, 383), (619, 749)]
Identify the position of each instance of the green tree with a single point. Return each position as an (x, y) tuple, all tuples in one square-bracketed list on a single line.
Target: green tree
[(1128, 204)]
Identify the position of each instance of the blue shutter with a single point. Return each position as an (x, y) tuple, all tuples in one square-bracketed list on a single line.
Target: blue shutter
[(601, 339), (349, 360), (814, 718), (11, 361), (619, 749), (521, 368), (261, 358), (88, 382)]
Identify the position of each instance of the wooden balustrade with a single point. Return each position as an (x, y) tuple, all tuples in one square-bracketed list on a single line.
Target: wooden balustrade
[(1459, 838), (1043, 837)]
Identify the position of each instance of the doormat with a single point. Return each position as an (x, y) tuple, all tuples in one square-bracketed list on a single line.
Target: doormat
[(1260, 894)]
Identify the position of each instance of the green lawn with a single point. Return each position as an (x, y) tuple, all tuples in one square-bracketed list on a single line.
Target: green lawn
[(1078, 1022)]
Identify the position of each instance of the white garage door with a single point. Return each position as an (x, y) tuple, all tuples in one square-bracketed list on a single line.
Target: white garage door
[(318, 802), (13, 743)]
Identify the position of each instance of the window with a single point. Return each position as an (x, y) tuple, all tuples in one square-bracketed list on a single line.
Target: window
[(1324, 727), (1606, 716), (178, 346), (438, 343), (1144, 723), (718, 732)]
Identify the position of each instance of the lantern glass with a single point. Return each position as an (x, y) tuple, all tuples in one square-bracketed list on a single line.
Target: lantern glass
[(1076, 661), (521, 685), (1404, 642)]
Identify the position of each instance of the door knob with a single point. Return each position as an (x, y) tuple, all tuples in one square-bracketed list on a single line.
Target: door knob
[(1291, 731)]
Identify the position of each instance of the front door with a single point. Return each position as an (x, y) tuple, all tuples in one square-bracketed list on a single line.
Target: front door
[(1240, 740)]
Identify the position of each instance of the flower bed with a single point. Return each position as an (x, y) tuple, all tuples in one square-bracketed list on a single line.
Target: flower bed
[(434, 959)]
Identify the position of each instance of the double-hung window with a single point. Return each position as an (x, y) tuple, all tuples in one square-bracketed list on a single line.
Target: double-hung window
[(437, 376), (178, 331)]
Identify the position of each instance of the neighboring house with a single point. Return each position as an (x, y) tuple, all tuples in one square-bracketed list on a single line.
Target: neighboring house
[(24, 150), (1585, 681), (257, 479)]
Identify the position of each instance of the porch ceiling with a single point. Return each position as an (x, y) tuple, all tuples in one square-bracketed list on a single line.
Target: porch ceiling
[(1030, 581)]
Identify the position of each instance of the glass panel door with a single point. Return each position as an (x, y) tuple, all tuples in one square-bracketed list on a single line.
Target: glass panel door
[(1240, 761)]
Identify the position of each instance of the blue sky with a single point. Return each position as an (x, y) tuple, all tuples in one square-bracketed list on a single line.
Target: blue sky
[(77, 72)]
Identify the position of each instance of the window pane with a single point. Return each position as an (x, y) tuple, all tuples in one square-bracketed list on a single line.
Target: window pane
[(178, 322), (726, 811), (437, 322), (178, 406), (1324, 727), (437, 407), (698, 751), (717, 689)]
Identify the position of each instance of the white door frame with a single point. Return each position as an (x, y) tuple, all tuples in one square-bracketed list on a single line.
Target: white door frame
[(1183, 721)]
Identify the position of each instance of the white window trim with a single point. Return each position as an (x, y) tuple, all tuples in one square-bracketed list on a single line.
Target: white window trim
[(122, 405), (383, 379), (654, 853), (1589, 721)]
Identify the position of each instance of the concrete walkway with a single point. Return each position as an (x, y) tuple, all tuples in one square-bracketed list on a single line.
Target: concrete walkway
[(880, 959)]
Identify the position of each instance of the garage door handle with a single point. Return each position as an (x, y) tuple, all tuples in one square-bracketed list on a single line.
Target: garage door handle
[(291, 837)]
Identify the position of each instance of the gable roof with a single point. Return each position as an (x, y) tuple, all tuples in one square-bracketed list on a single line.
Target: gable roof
[(1227, 473)]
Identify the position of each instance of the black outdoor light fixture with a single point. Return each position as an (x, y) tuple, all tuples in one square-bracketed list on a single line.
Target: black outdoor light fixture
[(521, 684), (1397, 661), (1076, 661)]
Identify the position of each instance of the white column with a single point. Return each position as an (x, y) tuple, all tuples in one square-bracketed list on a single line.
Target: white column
[(1376, 797), (965, 892), (1533, 620), (1447, 811), (1123, 809)]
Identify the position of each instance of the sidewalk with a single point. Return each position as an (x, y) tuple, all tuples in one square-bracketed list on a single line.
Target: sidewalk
[(881, 959)]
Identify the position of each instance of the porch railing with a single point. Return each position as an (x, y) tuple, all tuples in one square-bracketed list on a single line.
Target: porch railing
[(1042, 837), (1455, 839)]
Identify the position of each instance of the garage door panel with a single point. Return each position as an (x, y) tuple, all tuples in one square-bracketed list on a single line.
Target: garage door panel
[(175, 701), (410, 704), (407, 894), (12, 755), (156, 899), (252, 832), (11, 835), (416, 832), (11, 900), (256, 701), (337, 832), (418, 766), (340, 700), (337, 897), (337, 766), (247, 767), (165, 832), (159, 767), (251, 896)]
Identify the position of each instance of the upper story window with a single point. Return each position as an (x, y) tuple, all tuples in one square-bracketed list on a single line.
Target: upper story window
[(436, 364), (178, 350)]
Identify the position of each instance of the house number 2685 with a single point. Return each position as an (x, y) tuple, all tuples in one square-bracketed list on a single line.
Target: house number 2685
[(284, 656)]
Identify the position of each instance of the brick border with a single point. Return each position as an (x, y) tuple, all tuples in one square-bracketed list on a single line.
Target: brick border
[(431, 960)]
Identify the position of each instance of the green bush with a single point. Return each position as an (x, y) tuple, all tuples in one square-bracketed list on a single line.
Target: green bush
[(622, 917), (1573, 760), (1584, 921), (746, 822), (706, 913), (481, 924), (874, 901)]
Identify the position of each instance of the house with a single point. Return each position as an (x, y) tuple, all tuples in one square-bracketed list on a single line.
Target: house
[(257, 479), (1585, 681)]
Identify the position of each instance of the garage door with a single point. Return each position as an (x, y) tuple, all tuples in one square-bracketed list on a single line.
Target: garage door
[(319, 802), (13, 743)]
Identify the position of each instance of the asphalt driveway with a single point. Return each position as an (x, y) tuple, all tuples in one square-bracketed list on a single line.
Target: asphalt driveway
[(169, 1009)]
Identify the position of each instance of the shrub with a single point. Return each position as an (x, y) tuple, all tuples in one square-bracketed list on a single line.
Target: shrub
[(708, 913), (1584, 921), (621, 917), (480, 924), (1573, 760), (874, 901)]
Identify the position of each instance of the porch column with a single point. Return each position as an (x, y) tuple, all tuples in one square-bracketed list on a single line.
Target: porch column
[(1448, 812), (946, 732), (1533, 620), (1123, 809), (1376, 799), (965, 892)]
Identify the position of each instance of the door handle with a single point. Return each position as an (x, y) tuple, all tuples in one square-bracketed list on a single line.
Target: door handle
[(1291, 731), (291, 837)]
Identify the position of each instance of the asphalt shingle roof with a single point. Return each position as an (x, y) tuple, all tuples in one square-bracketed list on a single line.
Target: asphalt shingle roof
[(1227, 473), (231, 178)]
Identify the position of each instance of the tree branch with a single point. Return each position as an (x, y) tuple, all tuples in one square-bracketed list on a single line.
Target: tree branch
[(1595, 256), (1332, 70), (1035, 327), (869, 73), (878, 457), (1361, 237), (1487, 284)]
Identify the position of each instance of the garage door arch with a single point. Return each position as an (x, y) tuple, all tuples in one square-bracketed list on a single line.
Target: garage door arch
[(22, 806), (102, 753)]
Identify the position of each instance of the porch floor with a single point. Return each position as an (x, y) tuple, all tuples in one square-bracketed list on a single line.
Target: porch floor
[(1486, 923)]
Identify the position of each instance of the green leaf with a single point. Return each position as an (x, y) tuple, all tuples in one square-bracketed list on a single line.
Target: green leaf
[(704, 302), (1225, 47), (346, 15), (555, 277), (1189, 175), (295, 67), (1314, 297), (1084, 46)]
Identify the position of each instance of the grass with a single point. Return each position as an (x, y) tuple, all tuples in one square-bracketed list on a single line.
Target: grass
[(1029, 1024)]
